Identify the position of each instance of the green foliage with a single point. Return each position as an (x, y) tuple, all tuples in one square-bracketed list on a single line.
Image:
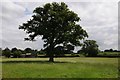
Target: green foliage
[(28, 50), (56, 24), (70, 47), (35, 53), (59, 50), (41, 52), (17, 53), (90, 48), (111, 50), (7, 52), (13, 50)]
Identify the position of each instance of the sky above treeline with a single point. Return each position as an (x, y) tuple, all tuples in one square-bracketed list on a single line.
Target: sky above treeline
[(99, 19)]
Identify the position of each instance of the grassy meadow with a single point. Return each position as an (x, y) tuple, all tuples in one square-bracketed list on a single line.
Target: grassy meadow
[(61, 68)]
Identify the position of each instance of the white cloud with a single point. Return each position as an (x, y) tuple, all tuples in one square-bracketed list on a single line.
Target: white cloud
[(11, 10), (99, 19)]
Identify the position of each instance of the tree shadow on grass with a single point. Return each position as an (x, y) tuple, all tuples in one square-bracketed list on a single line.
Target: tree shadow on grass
[(37, 61)]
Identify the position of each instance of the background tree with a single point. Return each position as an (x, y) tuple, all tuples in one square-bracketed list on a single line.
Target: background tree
[(41, 52), (80, 52), (13, 50), (56, 24), (90, 48), (59, 50), (111, 50), (7, 52), (17, 54), (70, 48), (28, 50), (66, 49), (108, 50), (34, 53)]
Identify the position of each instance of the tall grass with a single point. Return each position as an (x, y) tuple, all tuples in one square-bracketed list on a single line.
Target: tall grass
[(62, 68)]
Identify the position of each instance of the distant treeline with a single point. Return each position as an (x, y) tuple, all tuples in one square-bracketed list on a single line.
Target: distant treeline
[(14, 52), (111, 50), (28, 52)]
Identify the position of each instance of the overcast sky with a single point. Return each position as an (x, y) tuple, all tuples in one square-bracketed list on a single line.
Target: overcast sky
[(99, 19)]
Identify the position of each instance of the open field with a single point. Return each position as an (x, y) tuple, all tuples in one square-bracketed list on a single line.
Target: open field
[(61, 68)]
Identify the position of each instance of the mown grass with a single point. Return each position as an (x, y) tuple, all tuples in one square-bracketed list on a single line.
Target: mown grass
[(61, 68)]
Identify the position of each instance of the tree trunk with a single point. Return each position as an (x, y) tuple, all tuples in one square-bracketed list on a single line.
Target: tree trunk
[(51, 59), (51, 53)]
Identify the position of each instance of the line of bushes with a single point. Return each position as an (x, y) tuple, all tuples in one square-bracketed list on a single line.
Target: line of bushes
[(28, 52)]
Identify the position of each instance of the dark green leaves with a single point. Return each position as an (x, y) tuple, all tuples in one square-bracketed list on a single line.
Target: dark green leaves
[(90, 48)]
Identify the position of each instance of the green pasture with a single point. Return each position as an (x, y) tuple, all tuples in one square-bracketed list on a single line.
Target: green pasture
[(61, 68)]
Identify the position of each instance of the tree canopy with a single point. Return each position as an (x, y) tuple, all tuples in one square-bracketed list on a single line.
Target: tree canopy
[(6, 52), (13, 50), (90, 48), (56, 24), (28, 50)]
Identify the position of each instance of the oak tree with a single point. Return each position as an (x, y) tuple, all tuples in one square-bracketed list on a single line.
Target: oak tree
[(56, 24)]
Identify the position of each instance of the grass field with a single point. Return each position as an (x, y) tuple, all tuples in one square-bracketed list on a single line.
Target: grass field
[(61, 68)]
